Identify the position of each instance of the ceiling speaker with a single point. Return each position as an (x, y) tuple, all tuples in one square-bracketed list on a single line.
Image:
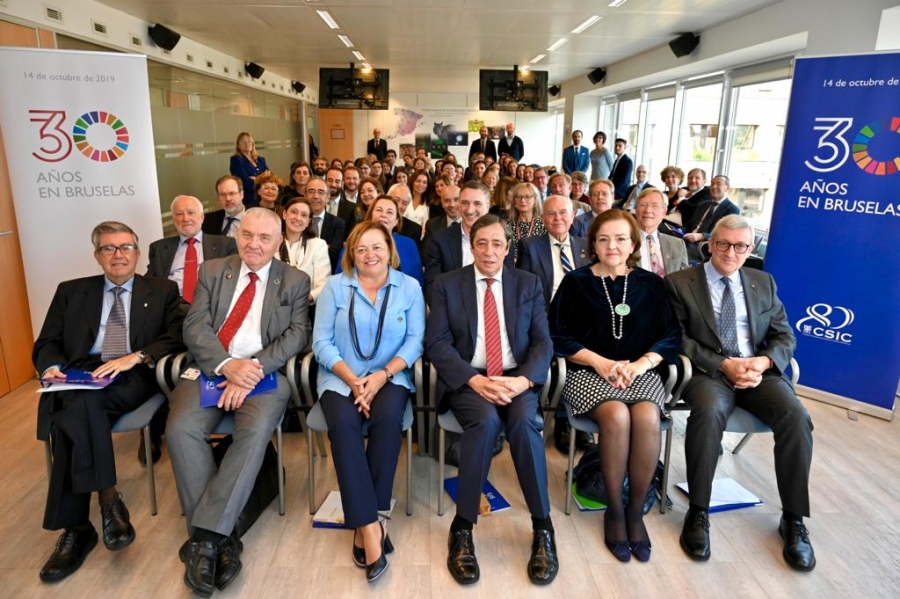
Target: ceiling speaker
[(298, 87), (554, 90), (164, 37), (597, 75), (684, 44), (254, 70)]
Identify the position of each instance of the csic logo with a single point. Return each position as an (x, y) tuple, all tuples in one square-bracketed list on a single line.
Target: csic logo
[(825, 322), (100, 136)]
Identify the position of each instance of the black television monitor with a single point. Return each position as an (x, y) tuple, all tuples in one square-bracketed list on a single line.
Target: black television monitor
[(512, 90), (359, 89)]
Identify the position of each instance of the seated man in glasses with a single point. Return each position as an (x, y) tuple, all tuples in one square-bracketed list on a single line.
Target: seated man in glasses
[(738, 337), (117, 324)]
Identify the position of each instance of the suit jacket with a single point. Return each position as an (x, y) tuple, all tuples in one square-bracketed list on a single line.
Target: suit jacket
[(515, 148), (347, 213), (285, 323), (490, 149), (453, 327), (674, 253), (333, 233), (770, 330), (631, 189), (581, 224), (413, 230), (444, 253), (432, 226), (73, 321), (621, 175), (572, 161), (380, 151), (536, 257), (213, 222), (688, 206), (706, 221), (162, 252)]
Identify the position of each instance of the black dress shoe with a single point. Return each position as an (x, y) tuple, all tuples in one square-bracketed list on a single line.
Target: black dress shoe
[(561, 434), (228, 561), (798, 551), (379, 566), (155, 450), (543, 565), (359, 553), (461, 560), (118, 532), (583, 441), (71, 549), (200, 568), (695, 534)]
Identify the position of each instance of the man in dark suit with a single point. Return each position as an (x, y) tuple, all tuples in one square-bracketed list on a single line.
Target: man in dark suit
[(698, 192), (377, 146), (576, 157), (660, 254), (249, 316), (600, 195), (177, 259), (451, 248), (707, 214), (328, 227), (739, 339), (408, 227), (632, 193), (620, 174), (483, 144), (226, 221), (450, 203), (118, 324), (511, 143), (489, 341)]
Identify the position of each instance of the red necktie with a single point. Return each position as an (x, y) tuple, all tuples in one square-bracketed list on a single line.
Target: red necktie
[(492, 333), (189, 284), (238, 313)]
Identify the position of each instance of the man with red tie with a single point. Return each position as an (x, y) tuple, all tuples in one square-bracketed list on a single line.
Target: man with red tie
[(248, 317), (178, 259), (489, 341)]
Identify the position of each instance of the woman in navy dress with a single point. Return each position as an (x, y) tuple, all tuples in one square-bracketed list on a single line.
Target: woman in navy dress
[(247, 165)]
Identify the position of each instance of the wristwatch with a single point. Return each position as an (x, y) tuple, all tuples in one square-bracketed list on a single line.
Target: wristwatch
[(144, 356), (389, 374)]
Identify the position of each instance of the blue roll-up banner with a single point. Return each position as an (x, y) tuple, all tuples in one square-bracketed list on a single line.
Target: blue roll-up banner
[(834, 247)]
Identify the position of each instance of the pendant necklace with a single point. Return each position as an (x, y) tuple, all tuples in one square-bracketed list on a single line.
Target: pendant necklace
[(621, 309)]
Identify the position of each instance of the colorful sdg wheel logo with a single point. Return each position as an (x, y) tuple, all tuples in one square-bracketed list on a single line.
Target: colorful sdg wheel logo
[(861, 147), (106, 128)]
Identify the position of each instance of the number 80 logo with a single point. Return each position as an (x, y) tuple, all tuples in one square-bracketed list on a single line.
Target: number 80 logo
[(102, 127)]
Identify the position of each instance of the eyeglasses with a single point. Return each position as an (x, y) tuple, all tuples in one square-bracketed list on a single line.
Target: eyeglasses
[(269, 188), (528, 197), (552, 214), (739, 248), (110, 250)]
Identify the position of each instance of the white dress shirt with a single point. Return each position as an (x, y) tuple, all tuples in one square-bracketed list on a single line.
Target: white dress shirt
[(716, 288), (558, 273), (479, 358), (176, 272), (247, 341), (645, 250)]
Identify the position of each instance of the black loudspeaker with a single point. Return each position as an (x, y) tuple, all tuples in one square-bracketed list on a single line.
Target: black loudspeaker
[(597, 75), (164, 37), (297, 87), (254, 70), (684, 44), (554, 90)]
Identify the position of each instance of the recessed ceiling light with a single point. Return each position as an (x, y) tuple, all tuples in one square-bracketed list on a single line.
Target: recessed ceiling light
[(329, 20), (557, 44), (346, 40), (617, 3), (358, 55), (587, 24), (538, 58)]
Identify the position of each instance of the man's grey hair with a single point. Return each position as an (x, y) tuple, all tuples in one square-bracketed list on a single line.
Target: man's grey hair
[(195, 201), (110, 226), (732, 222)]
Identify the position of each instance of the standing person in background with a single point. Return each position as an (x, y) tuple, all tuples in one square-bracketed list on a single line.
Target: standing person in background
[(376, 145), (511, 143), (621, 170), (247, 165), (601, 158), (483, 144), (576, 157)]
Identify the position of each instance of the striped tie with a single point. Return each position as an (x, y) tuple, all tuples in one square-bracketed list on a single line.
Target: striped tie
[(493, 347), (566, 264), (115, 339)]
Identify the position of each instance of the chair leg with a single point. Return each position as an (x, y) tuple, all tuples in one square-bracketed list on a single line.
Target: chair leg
[(440, 471), (48, 456), (409, 469), (312, 470), (151, 477), (320, 438), (665, 478), (569, 473), (420, 428), (302, 415), (279, 446), (737, 449)]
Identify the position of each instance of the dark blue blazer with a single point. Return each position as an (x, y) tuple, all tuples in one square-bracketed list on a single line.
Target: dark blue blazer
[(576, 162), (243, 169), (706, 224), (490, 149), (444, 254), (516, 148), (453, 327), (536, 257), (621, 176)]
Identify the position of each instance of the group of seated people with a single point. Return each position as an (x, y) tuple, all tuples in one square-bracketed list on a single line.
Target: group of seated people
[(508, 287)]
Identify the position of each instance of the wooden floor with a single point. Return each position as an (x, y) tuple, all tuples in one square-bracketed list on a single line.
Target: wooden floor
[(855, 529)]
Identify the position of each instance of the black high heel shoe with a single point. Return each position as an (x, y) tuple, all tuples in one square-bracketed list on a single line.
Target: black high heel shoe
[(359, 553), (379, 566), (621, 550)]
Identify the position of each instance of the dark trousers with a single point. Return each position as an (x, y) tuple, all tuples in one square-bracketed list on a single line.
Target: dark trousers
[(774, 402), (365, 473), (83, 458), (481, 422)]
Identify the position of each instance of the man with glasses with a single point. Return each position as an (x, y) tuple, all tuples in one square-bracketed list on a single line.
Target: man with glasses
[(739, 339), (327, 226), (660, 254), (113, 325), (707, 214), (226, 221), (541, 181), (600, 195)]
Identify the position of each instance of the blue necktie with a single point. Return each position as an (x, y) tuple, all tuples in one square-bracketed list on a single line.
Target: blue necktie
[(566, 264), (728, 321)]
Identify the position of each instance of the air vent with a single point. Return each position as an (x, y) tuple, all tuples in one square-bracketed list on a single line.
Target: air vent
[(240, 75), (136, 41), (226, 69), (53, 14), (209, 64), (99, 28), (189, 57), (166, 52)]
